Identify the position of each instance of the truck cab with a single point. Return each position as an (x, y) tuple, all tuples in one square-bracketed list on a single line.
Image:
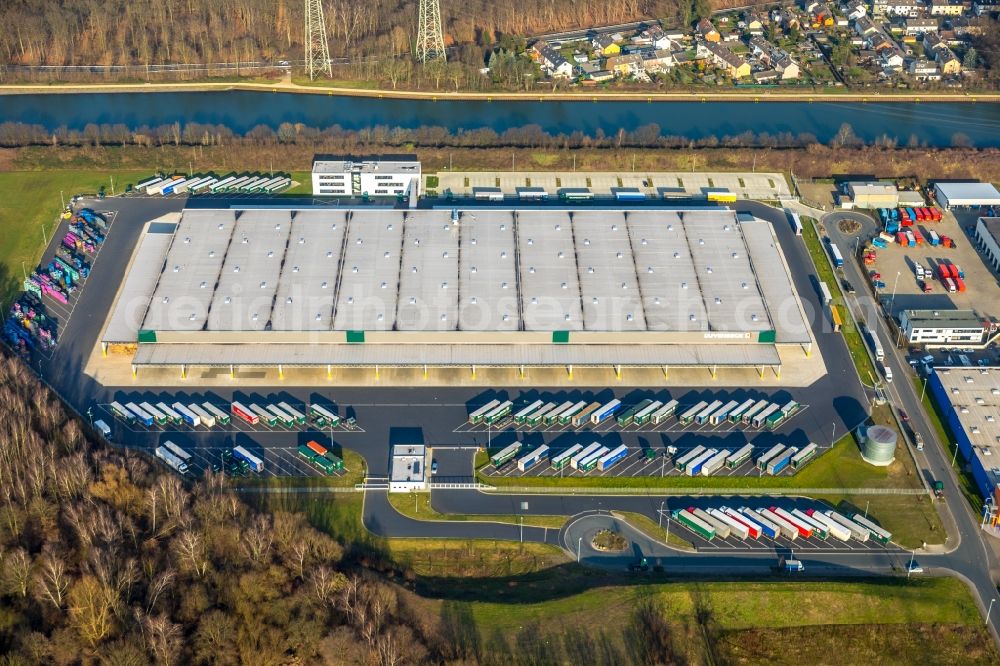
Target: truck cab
[(939, 489), (919, 441), (887, 371), (792, 565)]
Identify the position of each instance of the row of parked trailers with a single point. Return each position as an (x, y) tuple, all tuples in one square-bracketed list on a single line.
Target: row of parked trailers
[(208, 415), (248, 183), (773, 522), (578, 457), (754, 413), (180, 460)]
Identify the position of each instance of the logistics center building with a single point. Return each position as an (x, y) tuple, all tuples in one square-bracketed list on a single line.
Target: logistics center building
[(332, 287)]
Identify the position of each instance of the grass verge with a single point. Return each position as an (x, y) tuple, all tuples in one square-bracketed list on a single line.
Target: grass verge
[(418, 506), (29, 208), (652, 528), (354, 473)]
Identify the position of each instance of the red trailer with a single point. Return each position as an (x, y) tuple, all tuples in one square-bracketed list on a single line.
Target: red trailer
[(805, 531), (952, 270), (946, 241), (901, 238), (920, 214), (917, 236), (753, 529), (959, 283)]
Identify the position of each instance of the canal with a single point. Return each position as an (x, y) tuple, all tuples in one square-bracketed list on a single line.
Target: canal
[(930, 124)]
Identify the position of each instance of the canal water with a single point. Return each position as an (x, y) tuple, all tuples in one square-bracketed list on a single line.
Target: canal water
[(929, 124)]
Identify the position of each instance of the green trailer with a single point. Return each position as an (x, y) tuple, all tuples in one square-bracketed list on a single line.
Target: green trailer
[(695, 524), (334, 461), (626, 417), (567, 417)]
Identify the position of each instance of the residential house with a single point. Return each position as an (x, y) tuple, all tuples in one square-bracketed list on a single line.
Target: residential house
[(790, 20), (881, 42), (864, 26), (722, 57), (658, 39), (821, 16), (553, 63), (774, 58), (606, 46), (897, 7), (589, 68), (841, 21), (707, 31), (754, 22), (624, 65), (987, 7), (963, 26), (948, 62), (580, 58), (855, 9), (809, 5), (767, 76), (920, 26), (945, 8), (659, 60), (923, 69), (601, 75), (932, 42), (891, 59)]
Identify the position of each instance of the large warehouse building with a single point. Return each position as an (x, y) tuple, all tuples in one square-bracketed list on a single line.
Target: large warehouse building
[(966, 195), (327, 287), (970, 398)]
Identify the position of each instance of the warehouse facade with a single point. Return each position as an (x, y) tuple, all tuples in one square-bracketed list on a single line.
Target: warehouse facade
[(970, 398), (441, 287), (370, 176), (943, 327)]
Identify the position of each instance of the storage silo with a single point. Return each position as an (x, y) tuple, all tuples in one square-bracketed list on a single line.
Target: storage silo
[(878, 447)]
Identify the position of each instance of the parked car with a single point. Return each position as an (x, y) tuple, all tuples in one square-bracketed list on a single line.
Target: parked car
[(434, 466), (903, 415)]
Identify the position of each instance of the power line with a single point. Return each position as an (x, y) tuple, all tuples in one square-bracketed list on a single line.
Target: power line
[(317, 48), (430, 38)]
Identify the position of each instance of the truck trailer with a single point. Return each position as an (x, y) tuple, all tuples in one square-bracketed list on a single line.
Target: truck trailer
[(767, 528), (527, 462), (721, 529), (715, 463), (174, 461), (693, 523), (586, 453), (682, 462)]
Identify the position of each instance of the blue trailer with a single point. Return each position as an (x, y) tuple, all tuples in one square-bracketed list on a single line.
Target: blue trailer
[(256, 464), (533, 458), (766, 526), (694, 467), (605, 412), (781, 461), (838, 258), (609, 460)]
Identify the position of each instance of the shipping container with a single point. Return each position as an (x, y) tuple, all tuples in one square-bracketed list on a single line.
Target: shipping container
[(753, 530), (781, 461), (477, 416), (245, 413), (694, 467), (158, 416), (857, 531), (818, 529), (187, 415), (876, 533), (720, 415), (935, 239), (120, 411), (769, 455), (523, 413), (300, 418), (643, 416), (767, 528), (256, 464), (628, 417), (590, 462), (835, 529), (736, 528), (605, 412), (721, 529), (220, 416), (715, 463), (583, 416), (693, 523), (561, 460), (609, 460), (959, 284), (530, 460), (682, 462), (552, 417), (505, 455), (736, 415), (741, 456), (786, 529), (760, 418), (665, 412), (267, 417), (689, 415), (586, 453), (805, 531), (950, 285), (804, 456), (750, 412), (207, 419), (706, 413), (566, 418)]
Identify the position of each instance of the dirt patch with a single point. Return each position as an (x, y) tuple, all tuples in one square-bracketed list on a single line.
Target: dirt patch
[(609, 541), (849, 227)]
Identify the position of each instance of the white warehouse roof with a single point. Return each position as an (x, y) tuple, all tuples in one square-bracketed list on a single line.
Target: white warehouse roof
[(967, 194)]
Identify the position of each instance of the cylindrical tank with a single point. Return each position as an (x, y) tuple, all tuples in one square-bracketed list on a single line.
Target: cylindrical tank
[(879, 446)]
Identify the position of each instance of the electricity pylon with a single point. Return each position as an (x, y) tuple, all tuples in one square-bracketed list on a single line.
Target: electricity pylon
[(317, 48), (430, 38)]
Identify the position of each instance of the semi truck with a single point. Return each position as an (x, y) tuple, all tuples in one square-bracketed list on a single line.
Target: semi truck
[(720, 415), (256, 464), (168, 457), (693, 523)]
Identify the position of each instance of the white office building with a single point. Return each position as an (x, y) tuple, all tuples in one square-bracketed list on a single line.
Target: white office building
[(943, 327), (371, 176)]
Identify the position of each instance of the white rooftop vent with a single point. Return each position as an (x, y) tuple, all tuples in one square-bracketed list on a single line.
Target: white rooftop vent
[(473, 241), (246, 241), (503, 227), (192, 317), (693, 318), (503, 285), (657, 300), (383, 285), (444, 317), (220, 226), (586, 241), (288, 300), (388, 226), (563, 285), (270, 253), (595, 300), (643, 241), (531, 241), (236, 269), (590, 269), (558, 227), (166, 299), (277, 227), (701, 241), (684, 285), (323, 286), (319, 316), (301, 240), (359, 242), (560, 255), (624, 285), (211, 253), (444, 285), (472, 270), (619, 255), (670, 227), (503, 255), (649, 269), (385, 254), (628, 317), (506, 317), (354, 269), (350, 300), (254, 316), (329, 254), (736, 255), (964, 410), (413, 270), (743, 285), (228, 300), (474, 300), (677, 255), (177, 269), (718, 301), (187, 239), (753, 317), (413, 300), (725, 227), (295, 269), (566, 317), (334, 226), (380, 316), (614, 227), (532, 270), (263, 285), (444, 255), (202, 285)]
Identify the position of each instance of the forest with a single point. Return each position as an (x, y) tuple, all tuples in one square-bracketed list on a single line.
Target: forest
[(144, 32)]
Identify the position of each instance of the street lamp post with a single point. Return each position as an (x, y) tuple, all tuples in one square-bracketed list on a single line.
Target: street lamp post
[(954, 455), (520, 520), (661, 513), (892, 300), (923, 390), (988, 610), (579, 542), (868, 502), (909, 567)]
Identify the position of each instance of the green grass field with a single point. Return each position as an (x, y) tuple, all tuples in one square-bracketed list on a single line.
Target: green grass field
[(30, 204)]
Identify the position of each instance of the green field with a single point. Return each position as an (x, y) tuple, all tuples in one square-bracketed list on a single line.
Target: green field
[(418, 506), (30, 204), (926, 621)]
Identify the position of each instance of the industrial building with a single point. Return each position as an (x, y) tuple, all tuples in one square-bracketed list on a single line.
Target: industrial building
[(873, 194), (944, 327), (370, 176), (408, 468), (966, 195), (333, 287), (988, 240), (970, 399)]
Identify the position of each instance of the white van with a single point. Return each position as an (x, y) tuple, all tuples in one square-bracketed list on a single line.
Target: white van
[(887, 371), (103, 428)]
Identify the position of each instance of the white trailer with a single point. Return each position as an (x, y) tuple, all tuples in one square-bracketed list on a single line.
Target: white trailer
[(177, 451), (834, 528), (715, 463), (222, 184), (720, 414), (769, 528), (694, 467), (682, 462), (665, 412), (144, 186), (787, 530), (207, 419), (170, 413), (736, 528), (721, 529), (587, 452), (857, 531), (280, 185)]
